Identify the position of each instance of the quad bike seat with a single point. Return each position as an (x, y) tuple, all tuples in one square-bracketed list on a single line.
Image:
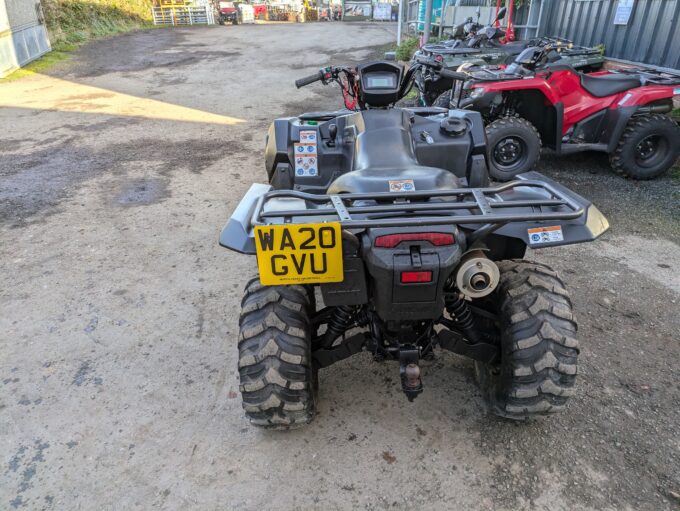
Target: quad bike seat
[(607, 85), (384, 152), (380, 180)]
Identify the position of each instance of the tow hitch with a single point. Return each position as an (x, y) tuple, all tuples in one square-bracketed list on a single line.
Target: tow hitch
[(409, 371)]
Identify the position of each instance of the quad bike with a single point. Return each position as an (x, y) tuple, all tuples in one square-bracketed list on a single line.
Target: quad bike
[(229, 12), (539, 101), (485, 46), (379, 232), (433, 85)]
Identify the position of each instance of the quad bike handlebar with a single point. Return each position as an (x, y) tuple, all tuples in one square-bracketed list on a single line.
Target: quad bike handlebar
[(307, 80)]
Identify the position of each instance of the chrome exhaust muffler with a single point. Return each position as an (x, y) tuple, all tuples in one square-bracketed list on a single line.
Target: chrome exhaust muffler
[(477, 275)]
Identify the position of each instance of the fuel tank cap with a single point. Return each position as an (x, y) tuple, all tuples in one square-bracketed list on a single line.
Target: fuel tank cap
[(453, 127)]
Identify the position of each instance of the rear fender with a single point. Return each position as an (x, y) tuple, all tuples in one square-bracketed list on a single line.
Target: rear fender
[(628, 104), (237, 233), (588, 227)]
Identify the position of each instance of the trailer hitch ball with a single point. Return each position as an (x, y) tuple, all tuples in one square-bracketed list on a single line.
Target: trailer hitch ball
[(477, 276)]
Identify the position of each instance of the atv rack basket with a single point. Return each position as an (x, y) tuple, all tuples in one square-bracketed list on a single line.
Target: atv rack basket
[(494, 206)]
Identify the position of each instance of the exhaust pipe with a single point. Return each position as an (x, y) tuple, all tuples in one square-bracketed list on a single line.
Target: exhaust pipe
[(659, 108), (477, 275)]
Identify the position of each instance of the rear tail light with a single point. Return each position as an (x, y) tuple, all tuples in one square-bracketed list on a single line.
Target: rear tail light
[(413, 277), (438, 239)]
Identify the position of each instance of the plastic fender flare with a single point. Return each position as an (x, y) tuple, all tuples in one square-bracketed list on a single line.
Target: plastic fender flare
[(616, 123)]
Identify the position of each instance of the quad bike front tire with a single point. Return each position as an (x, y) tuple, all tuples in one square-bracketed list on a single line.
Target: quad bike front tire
[(514, 147), (278, 379), (539, 350), (649, 146)]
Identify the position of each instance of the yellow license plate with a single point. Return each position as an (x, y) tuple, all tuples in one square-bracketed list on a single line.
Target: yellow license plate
[(299, 253)]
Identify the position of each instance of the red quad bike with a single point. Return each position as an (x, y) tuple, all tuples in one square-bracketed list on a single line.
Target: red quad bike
[(620, 112)]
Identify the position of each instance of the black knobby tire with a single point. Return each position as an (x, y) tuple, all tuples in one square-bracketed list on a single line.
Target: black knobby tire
[(513, 147), (278, 378), (443, 100), (649, 146), (539, 350)]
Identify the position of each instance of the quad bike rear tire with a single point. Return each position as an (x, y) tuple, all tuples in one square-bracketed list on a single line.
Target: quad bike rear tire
[(513, 146), (278, 379), (539, 350), (649, 146)]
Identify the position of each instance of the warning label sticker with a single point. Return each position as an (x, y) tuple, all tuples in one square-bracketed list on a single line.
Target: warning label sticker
[(539, 235), (402, 185), (308, 137), (306, 160)]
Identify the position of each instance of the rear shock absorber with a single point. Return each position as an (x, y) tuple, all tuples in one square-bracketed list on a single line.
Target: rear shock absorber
[(338, 324), (460, 312)]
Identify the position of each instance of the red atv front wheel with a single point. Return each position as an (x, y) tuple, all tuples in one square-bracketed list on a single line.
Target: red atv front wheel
[(513, 146)]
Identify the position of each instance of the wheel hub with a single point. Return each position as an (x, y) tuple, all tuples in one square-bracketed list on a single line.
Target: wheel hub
[(509, 151), (647, 147)]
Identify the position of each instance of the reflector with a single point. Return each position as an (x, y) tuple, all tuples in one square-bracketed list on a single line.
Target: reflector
[(438, 239), (411, 277)]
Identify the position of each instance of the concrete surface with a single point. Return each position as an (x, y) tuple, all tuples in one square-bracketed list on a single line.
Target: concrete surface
[(118, 310)]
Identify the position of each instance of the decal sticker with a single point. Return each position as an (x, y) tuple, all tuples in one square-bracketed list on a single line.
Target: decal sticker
[(306, 159), (306, 162), (402, 185), (625, 98), (308, 137), (539, 235)]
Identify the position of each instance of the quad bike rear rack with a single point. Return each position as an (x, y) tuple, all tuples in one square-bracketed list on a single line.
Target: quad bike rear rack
[(413, 209), (509, 209)]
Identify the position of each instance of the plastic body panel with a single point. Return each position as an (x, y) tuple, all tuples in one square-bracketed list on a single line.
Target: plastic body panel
[(573, 106), (396, 139)]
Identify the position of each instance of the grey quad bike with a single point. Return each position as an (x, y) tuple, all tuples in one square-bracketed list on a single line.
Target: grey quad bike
[(379, 231)]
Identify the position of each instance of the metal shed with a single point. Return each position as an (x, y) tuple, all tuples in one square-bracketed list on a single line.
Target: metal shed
[(636, 30), (23, 36)]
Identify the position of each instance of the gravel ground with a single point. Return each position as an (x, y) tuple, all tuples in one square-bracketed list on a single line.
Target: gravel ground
[(118, 310)]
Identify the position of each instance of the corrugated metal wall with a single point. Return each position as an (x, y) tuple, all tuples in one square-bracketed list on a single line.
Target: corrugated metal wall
[(652, 34), (23, 36)]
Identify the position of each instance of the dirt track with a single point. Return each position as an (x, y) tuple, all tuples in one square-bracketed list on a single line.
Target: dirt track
[(118, 311)]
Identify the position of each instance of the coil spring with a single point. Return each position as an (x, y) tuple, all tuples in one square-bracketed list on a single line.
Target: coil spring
[(338, 323), (460, 312)]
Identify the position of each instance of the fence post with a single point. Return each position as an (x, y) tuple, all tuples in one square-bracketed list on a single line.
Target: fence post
[(400, 19)]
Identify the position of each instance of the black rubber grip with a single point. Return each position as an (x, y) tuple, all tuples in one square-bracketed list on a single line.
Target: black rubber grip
[(309, 79), (453, 75)]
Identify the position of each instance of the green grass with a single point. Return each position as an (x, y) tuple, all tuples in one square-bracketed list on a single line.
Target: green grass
[(72, 23), (407, 48), (37, 66)]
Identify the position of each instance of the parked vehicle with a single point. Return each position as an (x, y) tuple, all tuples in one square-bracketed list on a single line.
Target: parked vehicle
[(229, 13), (540, 101), (385, 214), (484, 46)]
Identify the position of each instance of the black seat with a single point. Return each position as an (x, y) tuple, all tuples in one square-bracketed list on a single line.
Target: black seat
[(381, 180), (384, 155), (607, 85)]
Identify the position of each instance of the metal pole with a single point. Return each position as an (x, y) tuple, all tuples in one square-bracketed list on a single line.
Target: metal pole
[(400, 20), (441, 20), (428, 21)]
